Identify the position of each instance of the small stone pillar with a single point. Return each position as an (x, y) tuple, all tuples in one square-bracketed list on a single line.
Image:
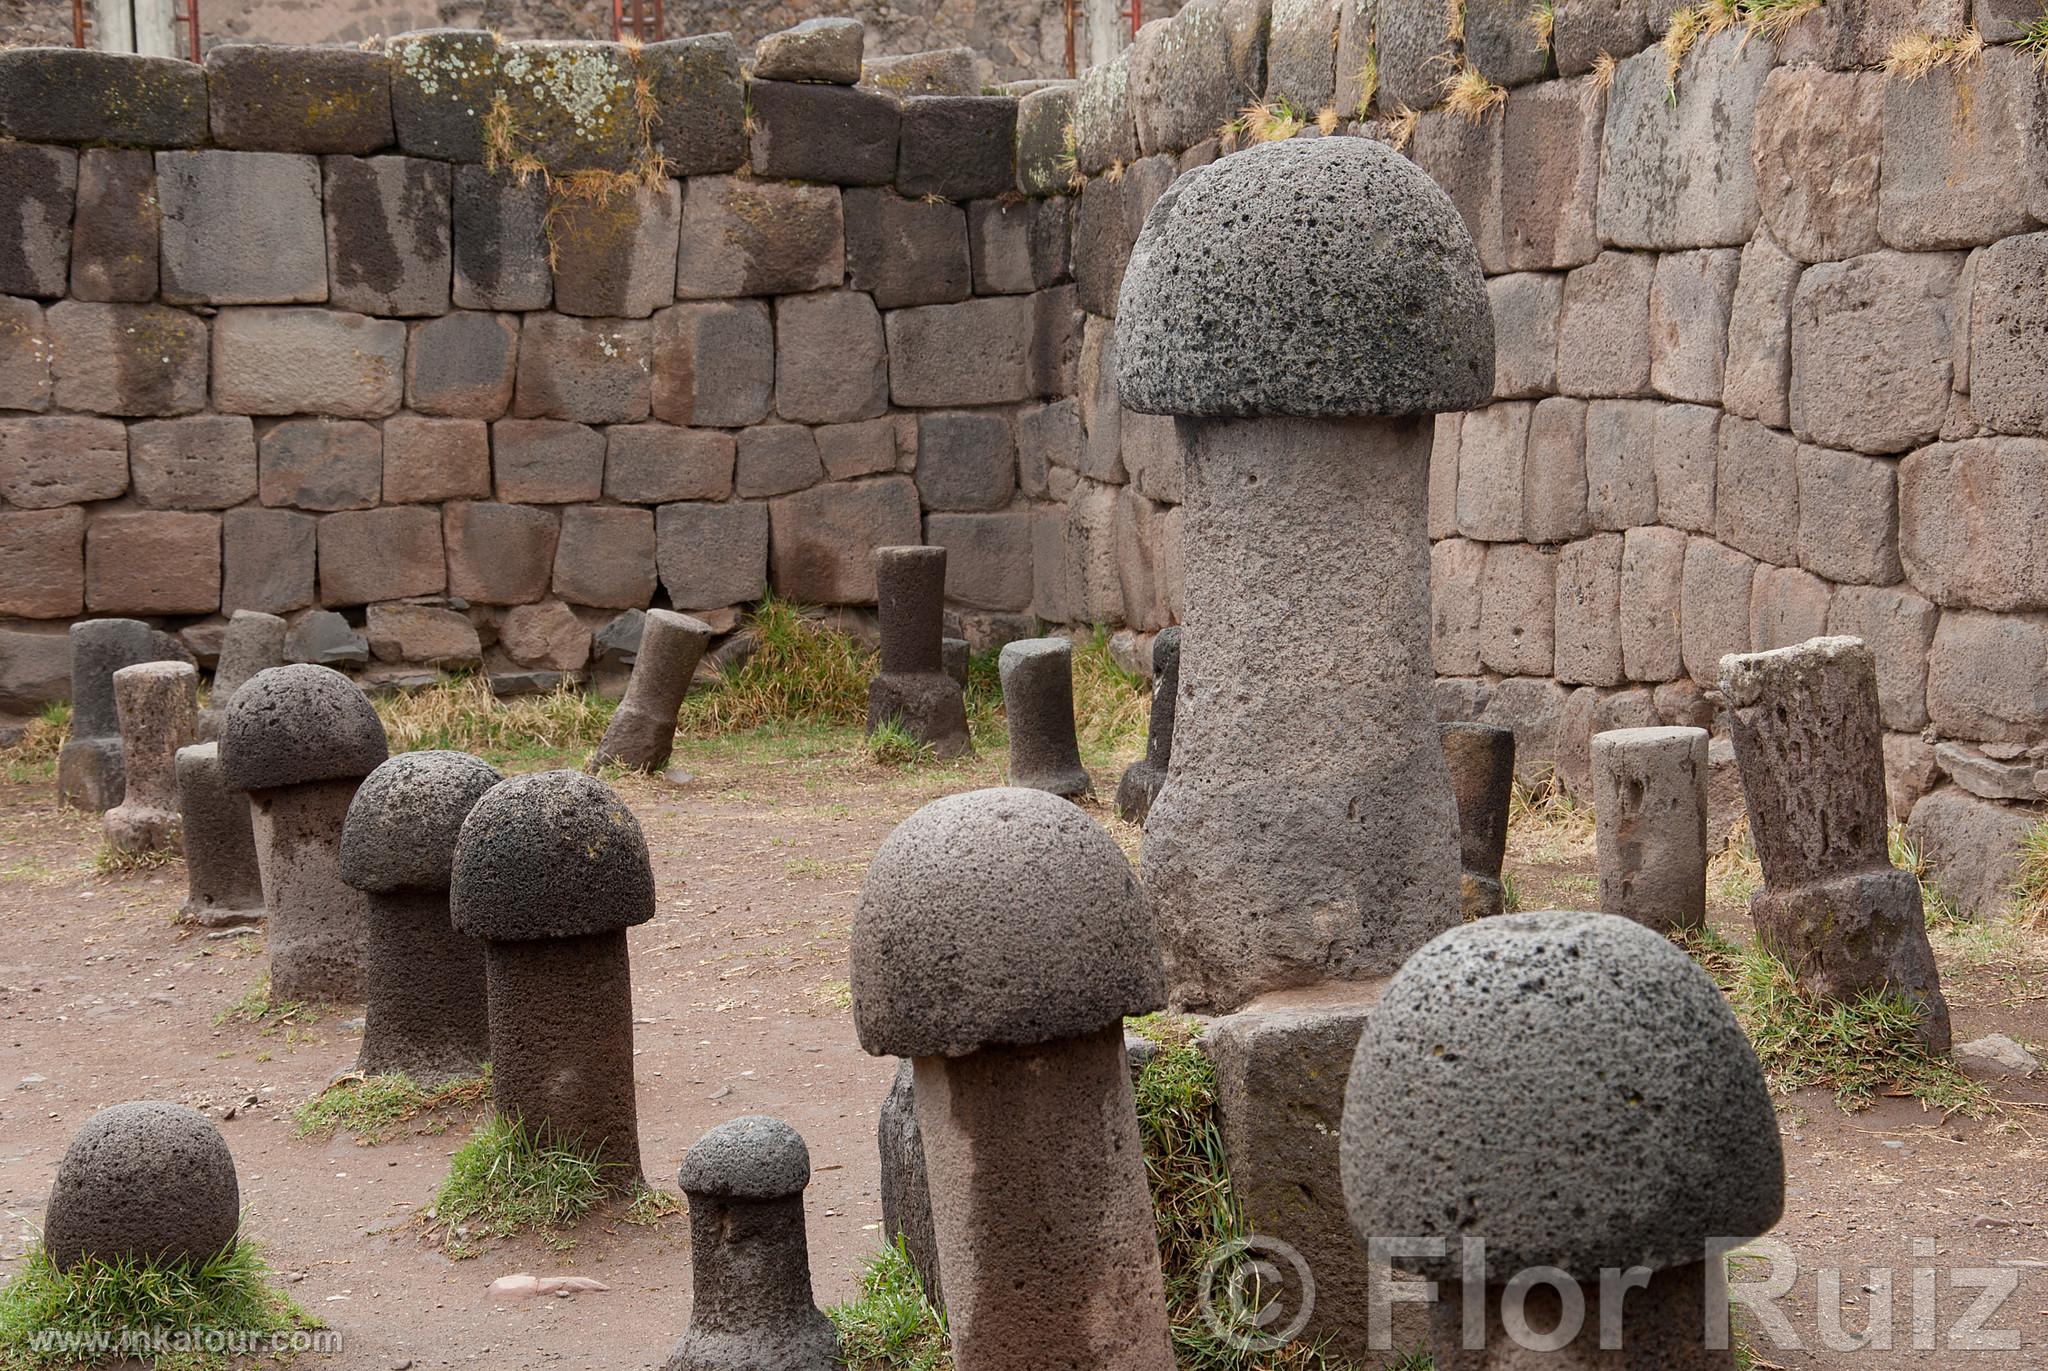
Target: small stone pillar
[(89, 773), (1810, 749), (253, 642), (223, 883), (1038, 702), (1481, 759), (1614, 1120), (1650, 825), (750, 1264), (299, 739), (905, 1186), (914, 687), (1303, 308), (642, 732), (427, 1013), (143, 1181), (954, 653), (550, 871), (158, 703), (1001, 939), (1142, 780)]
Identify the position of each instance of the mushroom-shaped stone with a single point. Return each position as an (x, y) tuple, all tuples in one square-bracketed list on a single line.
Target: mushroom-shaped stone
[(750, 1265), (1144, 777), (914, 689), (550, 871), (299, 739), (1481, 758), (144, 1181), (1038, 704), (426, 1015), (1574, 1091), (159, 708), (1001, 939), (224, 885), (1303, 306), (642, 731)]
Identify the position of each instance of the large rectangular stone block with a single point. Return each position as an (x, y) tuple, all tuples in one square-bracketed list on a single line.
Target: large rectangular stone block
[(444, 83), (241, 228), (1848, 34), (427, 461), (615, 256), (547, 461), (61, 459), (1818, 147), (127, 359), (321, 464), (1690, 299), (1554, 472), (1756, 492), (594, 371), (1550, 135), (24, 355), (1848, 516), (1498, 42), (152, 562), (206, 461), (988, 557), (114, 236), (965, 461), (1651, 598), (1525, 312), (908, 252), (1181, 79), (1588, 613), (389, 234), (268, 560), (1443, 476), (1987, 676), (1103, 238), (606, 557), (1973, 522), (700, 103), (501, 244), (758, 238), (1759, 366), (42, 563), (822, 540), (1517, 608), (381, 554), (1603, 326), (1456, 566), (1685, 448), (866, 448), (1678, 169), (1465, 159), (1088, 548), (810, 131), (973, 353), (1956, 144), (713, 555), (572, 106), (1583, 30), (1871, 350), (1105, 127), (500, 554), (1493, 446), (272, 97), (1898, 626), (1621, 471), (714, 363), (1786, 607), (1714, 596), (1415, 47), (832, 364), (38, 190), (67, 95), (775, 459), (307, 361), (463, 365), (957, 147), (650, 464), (2007, 335)]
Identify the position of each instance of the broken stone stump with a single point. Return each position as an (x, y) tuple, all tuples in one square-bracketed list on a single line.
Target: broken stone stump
[(750, 1265), (955, 652), (550, 871), (1650, 825), (427, 1014), (1000, 940), (143, 1181), (253, 642), (89, 774), (223, 884), (914, 689), (159, 704), (642, 731), (1808, 742), (1572, 1091), (906, 1188), (299, 740), (1481, 759), (1307, 830), (1143, 778), (1038, 702)]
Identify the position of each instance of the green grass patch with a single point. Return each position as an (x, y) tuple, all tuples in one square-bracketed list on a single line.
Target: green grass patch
[(505, 1180), (892, 745), (374, 1107), (890, 1325), (178, 1313), (801, 671), (33, 756), (257, 1007), (2030, 886)]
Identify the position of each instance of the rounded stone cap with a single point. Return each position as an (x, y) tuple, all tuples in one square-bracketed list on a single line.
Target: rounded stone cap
[(1001, 917), (147, 1180), (290, 725), (551, 855), (1569, 1087), (754, 1157), (1316, 277), (401, 827)]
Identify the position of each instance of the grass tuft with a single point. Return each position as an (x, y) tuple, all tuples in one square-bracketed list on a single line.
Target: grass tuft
[(2030, 886), (1468, 94), (461, 715), (1328, 120), (1401, 128), (1542, 22), (373, 1107), (114, 861), (1734, 873), (504, 1180), (891, 1325), (800, 672), (175, 1310), (1368, 79), (33, 757), (2034, 39), (891, 744), (1915, 55), (1603, 72), (257, 1007), (1273, 122)]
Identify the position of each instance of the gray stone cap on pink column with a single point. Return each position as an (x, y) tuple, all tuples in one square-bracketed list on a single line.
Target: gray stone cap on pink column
[(553, 855), (1317, 277), (1003, 917), (402, 825), (292, 725)]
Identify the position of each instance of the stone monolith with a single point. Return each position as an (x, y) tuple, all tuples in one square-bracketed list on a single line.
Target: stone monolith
[(1143, 778), (223, 881), (144, 1181), (1650, 825), (642, 731), (89, 774), (159, 705), (914, 689), (1481, 759), (1038, 703)]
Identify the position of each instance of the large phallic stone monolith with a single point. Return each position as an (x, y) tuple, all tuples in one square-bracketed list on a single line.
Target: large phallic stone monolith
[(1810, 749), (1143, 778), (642, 731), (89, 772), (1650, 825), (1570, 1092), (159, 705), (1481, 759), (1000, 940), (1038, 704), (145, 1181), (1302, 308), (223, 882), (299, 740), (750, 1266), (253, 642), (914, 688), (427, 1013), (550, 871)]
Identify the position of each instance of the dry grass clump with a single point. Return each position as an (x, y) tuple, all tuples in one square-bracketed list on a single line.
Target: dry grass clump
[(1271, 122), (33, 756), (1368, 79), (1542, 23), (1468, 94), (1917, 54), (1401, 128)]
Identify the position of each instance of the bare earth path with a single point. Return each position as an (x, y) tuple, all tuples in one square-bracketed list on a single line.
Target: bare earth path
[(740, 1004)]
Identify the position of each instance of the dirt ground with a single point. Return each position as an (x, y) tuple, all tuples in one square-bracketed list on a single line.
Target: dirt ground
[(740, 1007)]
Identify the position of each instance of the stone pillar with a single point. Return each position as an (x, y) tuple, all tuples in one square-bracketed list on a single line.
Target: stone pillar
[(1650, 825), (1810, 748), (145, 1181), (1481, 759), (750, 1266), (253, 642), (1303, 307), (427, 1012), (550, 871), (905, 1184), (299, 739), (642, 731), (914, 688), (1038, 702), (224, 885), (1000, 941), (158, 703), (89, 774), (954, 653), (1625, 1086), (1142, 780)]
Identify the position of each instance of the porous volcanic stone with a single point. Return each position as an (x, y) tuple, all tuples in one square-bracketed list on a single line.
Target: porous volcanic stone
[(158, 703), (148, 1181), (642, 731), (224, 884), (906, 1182), (1650, 825), (815, 50), (1143, 779), (1038, 701), (551, 855), (289, 725), (79, 95)]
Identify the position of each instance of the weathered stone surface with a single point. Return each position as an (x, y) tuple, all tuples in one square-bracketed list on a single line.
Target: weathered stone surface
[(68, 95), (443, 83), (1582, 30), (1498, 42), (1996, 1057), (152, 563), (595, 371), (42, 563), (700, 103), (965, 461), (959, 147), (388, 234), (805, 132), (423, 634), (25, 350), (1554, 472), (988, 563), (652, 464), (775, 459), (1603, 326), (1786, 607), (1517, 602), (546, 461), (380, 554), (501, 246), (1955, 150), (1525, 314), (1550, 134), (1650, 825), (223, 883), (973, 353), (114, 234), (1103, 238), (1678, 170), (616, 257), (867, 448), (1493, 446), (463, 365), (1533, 707), (1759, 363), (942, 71), (267, 560), (605, 557), (126, 359), (1986, 776), (1465, 159), (907, 251), (1860, 33), (1105, 129), (1972, 849), (1985, 676), (500, 554), (1045, 155), (1971, 520), (277, 98), (1685, 444), (1181, 78), (307, 361), (2008, 316), (1588, 613), (714, 363), (1621, 473), (710, 555), (1443, 477), (1817, 147), (321, 464), (61, 459), (428, 461), (1871, 345), (1456, 569), (547, 635), (1690, 300), (822, 540), (1756, 492), (831, 364), (1714, 595), (571, 106), (35, 667), (758, 238), (815, 50), (1848, 516), (1898, 627), (145, 1181), (1414, 47), (322, 637), (240, 228), (1650, 597), (207, 461)]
